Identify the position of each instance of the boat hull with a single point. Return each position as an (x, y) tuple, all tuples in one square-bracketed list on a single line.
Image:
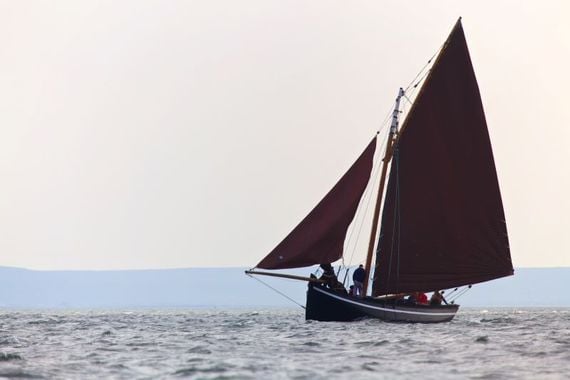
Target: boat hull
[(324, 304)]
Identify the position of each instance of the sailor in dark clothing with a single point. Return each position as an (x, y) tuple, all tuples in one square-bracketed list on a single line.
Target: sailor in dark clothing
[(358, 279), (328, 273), (330, 278), (437, 298)]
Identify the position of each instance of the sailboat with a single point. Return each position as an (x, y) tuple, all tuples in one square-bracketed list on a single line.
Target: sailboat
[(442, 220)]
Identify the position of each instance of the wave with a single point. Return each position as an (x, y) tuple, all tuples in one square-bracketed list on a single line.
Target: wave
[(4, 357)]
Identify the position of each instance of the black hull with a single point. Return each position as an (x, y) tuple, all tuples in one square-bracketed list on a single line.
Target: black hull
[(324, 304)]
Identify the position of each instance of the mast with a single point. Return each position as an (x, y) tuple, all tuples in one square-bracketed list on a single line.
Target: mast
[(392, 139), (385, 160)]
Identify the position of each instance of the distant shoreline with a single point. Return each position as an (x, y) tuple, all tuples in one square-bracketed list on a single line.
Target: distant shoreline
[(227, 288)]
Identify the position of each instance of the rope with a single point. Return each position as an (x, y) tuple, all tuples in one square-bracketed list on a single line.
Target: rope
[(423, 68), (399, 209), (421, 79), (368, 195), (368, 192), (365, 199), (460, 293), (344, 283), (396, 202), (422, 74), (411, 84), (385, 122), (277, 291), (450, 293)]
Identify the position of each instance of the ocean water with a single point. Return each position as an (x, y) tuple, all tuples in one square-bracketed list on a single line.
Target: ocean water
[(280, 344)]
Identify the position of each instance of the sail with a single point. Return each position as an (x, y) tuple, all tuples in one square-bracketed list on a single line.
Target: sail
[(319, 238), (443, 223)]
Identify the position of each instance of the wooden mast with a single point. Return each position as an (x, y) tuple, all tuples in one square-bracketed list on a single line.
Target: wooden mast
[(392, 140), (385, 160)]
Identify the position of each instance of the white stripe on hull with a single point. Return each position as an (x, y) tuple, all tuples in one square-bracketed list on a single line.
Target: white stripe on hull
[(395, 313)]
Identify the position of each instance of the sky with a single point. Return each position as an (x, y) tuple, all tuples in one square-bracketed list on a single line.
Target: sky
[(152, 134)]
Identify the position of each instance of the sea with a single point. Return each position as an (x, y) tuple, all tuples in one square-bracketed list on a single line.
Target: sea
[(266, 343)]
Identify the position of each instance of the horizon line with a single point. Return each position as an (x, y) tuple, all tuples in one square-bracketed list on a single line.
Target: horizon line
[(199, 267)]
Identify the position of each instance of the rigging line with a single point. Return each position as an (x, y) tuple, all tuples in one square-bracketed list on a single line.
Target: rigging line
[(352, 227), (414, 86), (421, 79), (451, 292), (277, 291), (462, 292), (451, 299), (423, 68), (395, 217), (398, 210), (368, 194), (379, 231), (385, 122), (404, 103), (410, 97), (345, 276), (348, 238), (412, 92)]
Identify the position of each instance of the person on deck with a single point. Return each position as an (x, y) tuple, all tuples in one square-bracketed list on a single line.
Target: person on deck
[(421, 298), (358, 279), (436, 298), (328, 273), (351, 290), (412, 299), (330, 278), (417, 298)]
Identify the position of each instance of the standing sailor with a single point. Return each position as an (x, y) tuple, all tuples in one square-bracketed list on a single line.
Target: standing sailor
[(358, 279)]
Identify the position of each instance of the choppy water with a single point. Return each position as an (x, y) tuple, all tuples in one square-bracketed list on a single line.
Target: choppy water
[(279, 344)]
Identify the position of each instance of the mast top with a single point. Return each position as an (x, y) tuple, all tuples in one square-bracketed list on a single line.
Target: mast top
[(396, 112)]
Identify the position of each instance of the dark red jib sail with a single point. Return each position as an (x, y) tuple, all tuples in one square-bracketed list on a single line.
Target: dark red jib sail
[(319, 238), (443, 223)]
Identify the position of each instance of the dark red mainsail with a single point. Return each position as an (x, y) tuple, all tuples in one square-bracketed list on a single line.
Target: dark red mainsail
[(319, 238), (443, 223)]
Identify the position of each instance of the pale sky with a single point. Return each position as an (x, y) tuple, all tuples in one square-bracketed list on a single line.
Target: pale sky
[(162, 134)]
